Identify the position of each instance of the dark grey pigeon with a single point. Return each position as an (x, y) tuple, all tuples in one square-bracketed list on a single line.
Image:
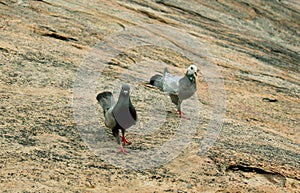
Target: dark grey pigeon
[(120, 115), (178, 88)]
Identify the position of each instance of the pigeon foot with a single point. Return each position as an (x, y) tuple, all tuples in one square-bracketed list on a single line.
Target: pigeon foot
[(182, 114), (122, 150), (125, 142)]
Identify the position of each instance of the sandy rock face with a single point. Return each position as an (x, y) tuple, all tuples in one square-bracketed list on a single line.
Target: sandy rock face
[(243, 135)]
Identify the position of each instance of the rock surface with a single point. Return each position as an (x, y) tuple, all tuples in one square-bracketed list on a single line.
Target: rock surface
[(254, 45)]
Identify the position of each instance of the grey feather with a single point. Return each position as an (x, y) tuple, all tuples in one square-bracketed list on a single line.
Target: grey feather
[(170, 82)]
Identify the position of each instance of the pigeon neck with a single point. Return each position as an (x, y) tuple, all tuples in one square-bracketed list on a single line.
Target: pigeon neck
[(123, 100), (191, 77)]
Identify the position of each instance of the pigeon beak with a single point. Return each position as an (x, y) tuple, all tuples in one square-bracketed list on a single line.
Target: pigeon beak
[(126, 92), (196, 73)]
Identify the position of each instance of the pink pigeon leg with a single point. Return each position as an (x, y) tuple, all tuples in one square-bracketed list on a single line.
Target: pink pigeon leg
[(122, 150)]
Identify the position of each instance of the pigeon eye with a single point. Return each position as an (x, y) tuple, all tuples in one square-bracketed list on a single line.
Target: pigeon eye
[(192, 68)]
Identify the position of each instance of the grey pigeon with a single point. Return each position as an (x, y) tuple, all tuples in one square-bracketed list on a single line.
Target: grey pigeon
[(178, 88), (120, 115)]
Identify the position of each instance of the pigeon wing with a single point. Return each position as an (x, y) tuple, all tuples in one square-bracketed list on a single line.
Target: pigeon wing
[(170, 83)]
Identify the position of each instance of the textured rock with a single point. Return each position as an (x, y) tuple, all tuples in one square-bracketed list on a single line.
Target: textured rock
[(254, 44)]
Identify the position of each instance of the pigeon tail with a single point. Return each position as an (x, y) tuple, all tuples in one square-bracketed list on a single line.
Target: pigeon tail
[(106, 100), (157, 80)]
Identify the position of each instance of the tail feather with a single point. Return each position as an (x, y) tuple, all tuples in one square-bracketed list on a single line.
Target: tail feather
[(106, 100), (157, 80)]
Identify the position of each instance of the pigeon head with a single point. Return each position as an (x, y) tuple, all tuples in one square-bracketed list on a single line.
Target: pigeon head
[(125, 90), (192, 70)]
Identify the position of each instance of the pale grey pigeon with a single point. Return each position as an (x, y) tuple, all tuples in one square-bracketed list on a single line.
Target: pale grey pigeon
[(178, 88), (120, 115)]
